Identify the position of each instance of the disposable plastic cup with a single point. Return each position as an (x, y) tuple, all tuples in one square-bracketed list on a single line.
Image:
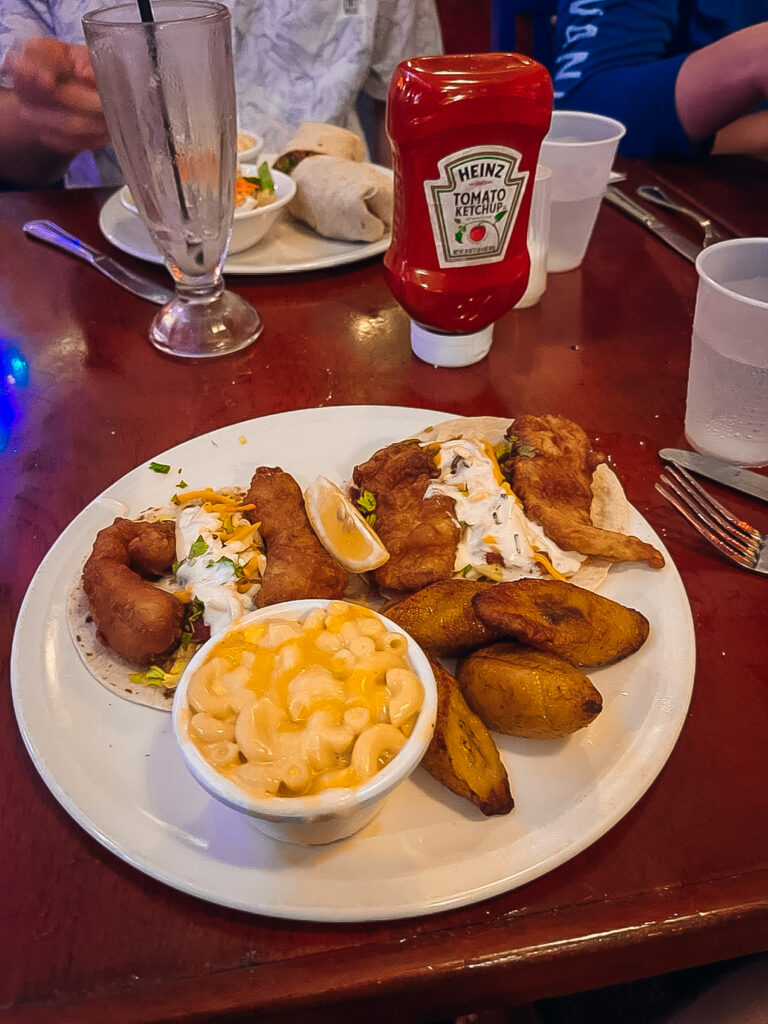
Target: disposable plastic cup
[(580, 148), (727, 406), (538, 237)]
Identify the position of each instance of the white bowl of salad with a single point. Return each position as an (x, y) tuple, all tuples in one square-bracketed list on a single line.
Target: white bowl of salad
[(260, 194)]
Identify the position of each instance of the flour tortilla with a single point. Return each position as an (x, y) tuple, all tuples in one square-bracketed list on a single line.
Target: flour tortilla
[(610, 509), (343, 199), (326, 140)]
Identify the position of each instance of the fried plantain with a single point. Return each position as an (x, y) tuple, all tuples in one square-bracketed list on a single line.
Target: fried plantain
[(462, 755), (524, 692), (575, 624), (441, 619)]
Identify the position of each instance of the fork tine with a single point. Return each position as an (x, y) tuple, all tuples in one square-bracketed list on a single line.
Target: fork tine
[(722, 546), (748, 533), (710, 520)]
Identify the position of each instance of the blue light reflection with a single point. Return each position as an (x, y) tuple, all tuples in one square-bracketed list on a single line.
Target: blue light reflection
[(14, 374)]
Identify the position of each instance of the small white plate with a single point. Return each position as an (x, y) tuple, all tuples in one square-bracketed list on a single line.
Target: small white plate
[(115, 768), (290, 246)]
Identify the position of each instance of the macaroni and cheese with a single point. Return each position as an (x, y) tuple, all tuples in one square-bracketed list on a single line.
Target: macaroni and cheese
[(290, 707)]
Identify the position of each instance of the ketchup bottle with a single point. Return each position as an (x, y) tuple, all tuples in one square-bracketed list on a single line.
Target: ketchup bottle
[(465, 132)]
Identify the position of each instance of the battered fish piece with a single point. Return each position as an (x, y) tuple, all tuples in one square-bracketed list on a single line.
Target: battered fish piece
[(554, 487), (136, 619), (420, 535), (298, 566)]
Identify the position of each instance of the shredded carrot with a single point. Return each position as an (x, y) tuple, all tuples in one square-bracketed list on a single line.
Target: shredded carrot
[(244, 190), (207, 495), (545, 562)]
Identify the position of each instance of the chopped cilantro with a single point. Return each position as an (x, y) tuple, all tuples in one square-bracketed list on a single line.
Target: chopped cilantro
[(511, 447), (366, 502), (159, 467), (198, 548), (182, 484)]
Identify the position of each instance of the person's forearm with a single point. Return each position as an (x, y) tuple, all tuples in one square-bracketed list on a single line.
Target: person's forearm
[(722, 82), (23, 159), (748, 135), (383, 150)]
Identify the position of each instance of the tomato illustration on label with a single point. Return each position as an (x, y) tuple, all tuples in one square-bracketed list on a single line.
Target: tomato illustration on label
[(479, 192)]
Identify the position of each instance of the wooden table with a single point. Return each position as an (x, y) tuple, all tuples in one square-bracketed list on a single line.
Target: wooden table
[(681, 880)]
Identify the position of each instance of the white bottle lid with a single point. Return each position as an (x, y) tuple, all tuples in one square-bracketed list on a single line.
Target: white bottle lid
[(450, 349)]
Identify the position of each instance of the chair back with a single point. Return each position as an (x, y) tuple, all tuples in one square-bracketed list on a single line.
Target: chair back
[(525, 26)]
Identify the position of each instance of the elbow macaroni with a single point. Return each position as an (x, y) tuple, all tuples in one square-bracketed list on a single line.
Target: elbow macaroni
[(291, 707)]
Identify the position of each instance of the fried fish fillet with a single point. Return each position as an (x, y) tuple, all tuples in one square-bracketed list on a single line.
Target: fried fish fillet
[(420, 534), (136, 619), (554, 487), (298, 566)]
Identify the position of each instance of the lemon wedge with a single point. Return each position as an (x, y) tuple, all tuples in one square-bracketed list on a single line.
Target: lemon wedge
[(341, 529)]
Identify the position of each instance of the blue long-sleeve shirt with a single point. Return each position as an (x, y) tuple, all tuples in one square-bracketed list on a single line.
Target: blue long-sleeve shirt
[(621, 58)]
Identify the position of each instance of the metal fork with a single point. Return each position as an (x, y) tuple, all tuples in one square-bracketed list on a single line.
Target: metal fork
[(656, 195), (732, 537)]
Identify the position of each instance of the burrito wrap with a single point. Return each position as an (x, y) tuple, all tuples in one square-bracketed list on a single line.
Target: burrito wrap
[(342, 199), (325, 140)]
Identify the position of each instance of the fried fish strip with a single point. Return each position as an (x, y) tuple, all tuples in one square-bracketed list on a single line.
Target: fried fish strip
[(136, 619), (420, 534), (554, 487), (298, 566)]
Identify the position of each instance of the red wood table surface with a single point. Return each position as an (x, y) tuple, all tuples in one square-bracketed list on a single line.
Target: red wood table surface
[(682, 879)]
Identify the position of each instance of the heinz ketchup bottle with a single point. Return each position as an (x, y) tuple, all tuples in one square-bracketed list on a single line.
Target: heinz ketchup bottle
[(465, 133)]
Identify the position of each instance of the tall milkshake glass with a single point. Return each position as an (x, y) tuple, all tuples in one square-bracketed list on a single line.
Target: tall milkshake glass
[(168, 92)]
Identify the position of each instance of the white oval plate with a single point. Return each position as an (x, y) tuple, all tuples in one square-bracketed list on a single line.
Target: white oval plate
[(289, 247), (115, 768)]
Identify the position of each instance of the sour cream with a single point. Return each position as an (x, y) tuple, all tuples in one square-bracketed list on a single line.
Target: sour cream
[(491, 518), (210, 569)]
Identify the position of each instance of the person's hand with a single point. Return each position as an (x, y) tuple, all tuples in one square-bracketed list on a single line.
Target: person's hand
[(58, 102)]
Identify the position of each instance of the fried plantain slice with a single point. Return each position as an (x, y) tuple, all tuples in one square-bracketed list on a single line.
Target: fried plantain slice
[(441, 619), (462, 755), (575, 624), (524, 692)]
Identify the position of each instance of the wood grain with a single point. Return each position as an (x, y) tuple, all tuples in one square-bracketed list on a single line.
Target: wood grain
[(682, 879)]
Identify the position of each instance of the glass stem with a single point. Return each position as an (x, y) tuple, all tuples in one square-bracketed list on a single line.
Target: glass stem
[(200, 291)]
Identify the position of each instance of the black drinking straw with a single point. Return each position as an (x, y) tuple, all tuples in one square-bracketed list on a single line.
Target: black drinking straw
[(147, 17)]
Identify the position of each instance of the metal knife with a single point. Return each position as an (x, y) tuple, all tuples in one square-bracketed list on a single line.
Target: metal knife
[(724, 472), (675, 239), (144, 287)]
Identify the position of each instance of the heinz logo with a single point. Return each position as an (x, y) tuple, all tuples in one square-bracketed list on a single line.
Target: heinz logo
[(481, 169), (474, 203)]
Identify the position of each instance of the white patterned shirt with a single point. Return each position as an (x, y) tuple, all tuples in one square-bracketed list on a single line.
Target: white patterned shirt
[(295, 60)]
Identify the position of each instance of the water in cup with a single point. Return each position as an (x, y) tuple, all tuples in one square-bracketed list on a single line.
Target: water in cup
[(570, 231), (727, 412), (727, 405)]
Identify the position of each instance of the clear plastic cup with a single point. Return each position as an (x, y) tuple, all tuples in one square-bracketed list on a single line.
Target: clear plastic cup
[(727, 405), (579, 148), (538, 237)]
